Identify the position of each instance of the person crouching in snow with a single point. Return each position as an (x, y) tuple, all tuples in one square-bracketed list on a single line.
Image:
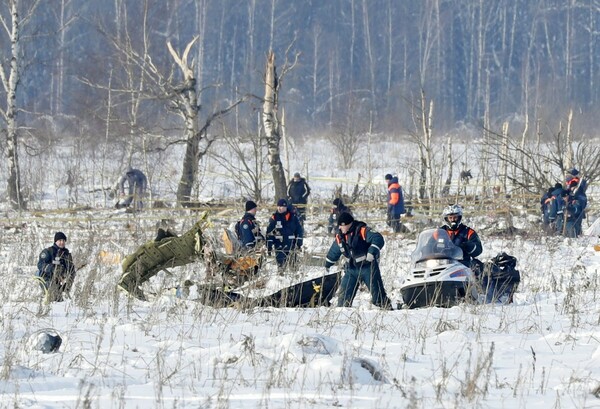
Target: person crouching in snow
[(56, 269), (361, 245)]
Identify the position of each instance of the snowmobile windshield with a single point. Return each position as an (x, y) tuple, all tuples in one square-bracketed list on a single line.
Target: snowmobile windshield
[(435, 244)]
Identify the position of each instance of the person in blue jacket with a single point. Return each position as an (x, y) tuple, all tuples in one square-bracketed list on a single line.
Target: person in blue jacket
[(556, 205), (361, 246), (546, 202), (284, 235), (575, 202), (247, 229), (56, 269)]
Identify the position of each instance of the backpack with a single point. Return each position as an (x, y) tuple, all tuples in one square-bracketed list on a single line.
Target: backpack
[(238, 229), (503, 267)]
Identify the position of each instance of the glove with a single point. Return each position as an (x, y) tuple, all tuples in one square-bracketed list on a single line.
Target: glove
[(370, 257)]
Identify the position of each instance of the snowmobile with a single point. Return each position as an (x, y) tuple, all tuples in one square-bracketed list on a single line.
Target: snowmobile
[(437, 277)]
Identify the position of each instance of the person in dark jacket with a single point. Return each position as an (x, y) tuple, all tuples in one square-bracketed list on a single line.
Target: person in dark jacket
[(56, 269), (137, 184), (395, 203), (361, 245), (575, 202), (462, 236), (284, 235), (298, 192), (556, 205), (247, 229), (546, 203), (338, 208)]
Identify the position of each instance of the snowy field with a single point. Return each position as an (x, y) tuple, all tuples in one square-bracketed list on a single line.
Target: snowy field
[(543, 351)]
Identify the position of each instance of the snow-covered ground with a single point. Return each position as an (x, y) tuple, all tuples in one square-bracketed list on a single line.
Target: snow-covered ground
[(543, 351)]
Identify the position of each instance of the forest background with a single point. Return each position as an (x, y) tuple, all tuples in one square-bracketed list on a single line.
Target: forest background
[(118, 79)]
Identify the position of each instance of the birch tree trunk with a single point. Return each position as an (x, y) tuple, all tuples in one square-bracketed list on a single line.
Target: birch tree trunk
[(10, 82), (426, 183), (187, 99), (449, 162), (569, 154), (272, 127), (427, 129), (504, 171)]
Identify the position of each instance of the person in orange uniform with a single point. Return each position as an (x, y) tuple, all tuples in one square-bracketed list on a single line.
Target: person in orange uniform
[(461, 235), (395, 202)]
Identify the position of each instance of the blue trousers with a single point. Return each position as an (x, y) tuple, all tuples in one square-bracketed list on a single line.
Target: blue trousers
[(369, 274), (285, 257)]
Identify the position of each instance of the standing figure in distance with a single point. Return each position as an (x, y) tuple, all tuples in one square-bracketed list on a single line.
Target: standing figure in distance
[(575, 202), (298, 192), (284, 235), (395, 202), (56, 269), (361, 245), (137, 185), (546, 203)]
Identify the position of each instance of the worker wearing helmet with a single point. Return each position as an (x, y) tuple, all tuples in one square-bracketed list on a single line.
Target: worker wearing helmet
[(461, 235)]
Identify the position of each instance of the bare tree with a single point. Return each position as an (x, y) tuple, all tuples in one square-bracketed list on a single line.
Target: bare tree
[(181, 97), (450, 162), (536, 166), (422, 135), (271, 122), (10, 75), (349, 134), (65, 18), (185, 99), (245, 157), (272, 126)]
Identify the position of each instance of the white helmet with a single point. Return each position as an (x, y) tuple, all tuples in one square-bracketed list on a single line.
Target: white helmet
[(455, 210)]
